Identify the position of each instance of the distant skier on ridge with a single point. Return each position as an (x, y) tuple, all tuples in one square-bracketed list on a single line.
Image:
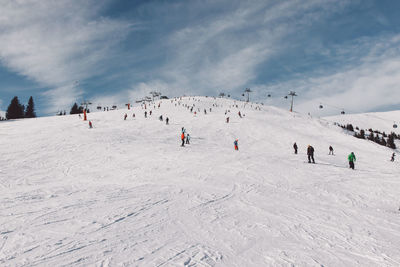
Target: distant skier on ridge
[(295, 148)]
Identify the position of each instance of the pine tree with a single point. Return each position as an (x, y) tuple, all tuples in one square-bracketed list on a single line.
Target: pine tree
[(362, 134), (30, 109), (383, 142), (350, 127), (390, 141), (74, 109), (15, 110), (371, 136)]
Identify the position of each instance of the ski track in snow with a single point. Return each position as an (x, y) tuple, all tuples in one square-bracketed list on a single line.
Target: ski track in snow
[(126, 193)]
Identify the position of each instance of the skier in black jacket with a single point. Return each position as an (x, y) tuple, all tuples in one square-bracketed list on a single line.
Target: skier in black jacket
[(310, 154)]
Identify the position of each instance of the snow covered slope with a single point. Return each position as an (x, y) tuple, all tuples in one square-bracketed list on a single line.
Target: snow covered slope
[(126, 193), (381, 121)]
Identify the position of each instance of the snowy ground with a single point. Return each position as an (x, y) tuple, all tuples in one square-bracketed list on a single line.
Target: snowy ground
[(126, 193)]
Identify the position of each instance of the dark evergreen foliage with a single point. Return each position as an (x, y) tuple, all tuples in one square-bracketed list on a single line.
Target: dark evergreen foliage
[(390, 141), (371, 136), (30, 109), (75, 109), (350, 127), (15, 110)]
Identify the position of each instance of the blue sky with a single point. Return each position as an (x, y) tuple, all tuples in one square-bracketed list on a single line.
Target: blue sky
[(341, 53)]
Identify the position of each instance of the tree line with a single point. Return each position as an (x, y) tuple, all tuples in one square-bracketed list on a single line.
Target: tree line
[(18, 111), (376, 136)]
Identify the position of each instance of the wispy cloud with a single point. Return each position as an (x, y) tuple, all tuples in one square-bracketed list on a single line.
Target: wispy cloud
[(55, 43), (224, 52), (366, 83)]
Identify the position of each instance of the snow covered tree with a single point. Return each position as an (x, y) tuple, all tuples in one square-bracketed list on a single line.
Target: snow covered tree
[(15, 110), (30, 109), (349, 127), (371, 136), (390, 141), (383, 142)]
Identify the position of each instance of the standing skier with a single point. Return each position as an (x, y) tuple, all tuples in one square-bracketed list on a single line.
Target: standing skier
[(227, 120), (183, 138), (125, 116), (351, 159), (90, 125), (145, 114), (392, 159), (295, 148), (188, 139), (330, 150), (167, 121), (310, 154), (235, 143)]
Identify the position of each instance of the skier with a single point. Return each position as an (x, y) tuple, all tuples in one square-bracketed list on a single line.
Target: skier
[(392, 159), (227, 120), (90, 125), (183, 138), (150, 112), (125, 116), (310, 154), (167, 121), (240, 115), (145, 114), (235, 143), (188, 139), (161, 118), (295, 148), (351, 159), (330, 150), (133, 115)]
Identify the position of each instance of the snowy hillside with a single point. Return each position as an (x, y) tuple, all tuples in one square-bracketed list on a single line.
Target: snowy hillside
[(381, 121), (125, 193)]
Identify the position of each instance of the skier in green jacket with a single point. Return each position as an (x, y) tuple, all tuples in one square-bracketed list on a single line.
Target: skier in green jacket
[(351, 159)]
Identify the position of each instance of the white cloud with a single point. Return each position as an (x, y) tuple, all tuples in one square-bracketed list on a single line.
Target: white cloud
[(367, 84), (55, 43), (223, 53)]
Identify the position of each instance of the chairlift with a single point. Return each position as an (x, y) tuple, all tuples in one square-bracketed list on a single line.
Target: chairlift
[(342, 112), (269, 95), (98, 107)]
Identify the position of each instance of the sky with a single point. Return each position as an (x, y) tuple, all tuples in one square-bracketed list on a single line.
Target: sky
[(341, 54)]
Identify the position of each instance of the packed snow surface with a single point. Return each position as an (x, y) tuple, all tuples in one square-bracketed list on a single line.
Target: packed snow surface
[(125, 193)]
